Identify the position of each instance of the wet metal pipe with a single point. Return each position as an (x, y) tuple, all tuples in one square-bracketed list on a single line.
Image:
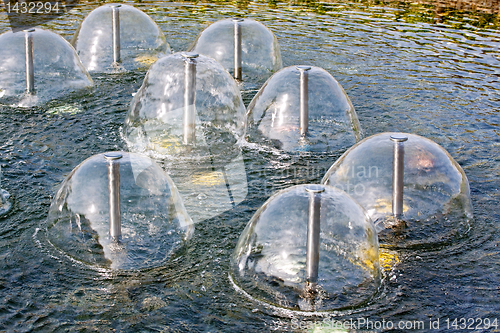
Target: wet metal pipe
[(304, 99), (30, 70), (313, 231), (116, 32), (398, 164), (237, 48), (115, 225), (189, 115)]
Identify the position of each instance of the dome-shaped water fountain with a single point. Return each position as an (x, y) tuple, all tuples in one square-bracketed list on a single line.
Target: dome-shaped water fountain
[(118, 210), (185, 99), (309, 248), (118, 37), (303, 108), (189, 111), (409, 185), (38, 66), (246, 48)]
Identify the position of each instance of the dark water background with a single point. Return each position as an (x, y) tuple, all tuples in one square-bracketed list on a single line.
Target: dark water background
[(440, 81)]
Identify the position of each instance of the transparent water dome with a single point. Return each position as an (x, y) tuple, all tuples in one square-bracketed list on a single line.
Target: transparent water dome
[(117, 37), (308, 248), (434, 204), (55, 68), (190, 114), (246, 48), (118, 210), (303, 108), (188, 105)]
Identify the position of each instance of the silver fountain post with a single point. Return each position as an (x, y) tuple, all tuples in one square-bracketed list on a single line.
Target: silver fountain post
[(30, 71), (304, 100), (115, 225), (237, 48), (398, 164), (313, 231), (116, 32), (189, 115)]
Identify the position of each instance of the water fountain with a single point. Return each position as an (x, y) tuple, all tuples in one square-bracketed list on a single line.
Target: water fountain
[(399, 69), (189, 112), (118, 210), (246, 48), (410, 186), (308, 248), (118, 37), (303, 108), (38, 66)]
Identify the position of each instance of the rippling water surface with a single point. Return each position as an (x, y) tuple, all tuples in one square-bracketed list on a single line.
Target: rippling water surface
[(433, 80)]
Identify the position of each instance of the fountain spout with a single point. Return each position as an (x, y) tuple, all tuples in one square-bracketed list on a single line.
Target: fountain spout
[(237, 48), (189, 115), (116, 32), (313, 230), (30, 71), (398, 164), (304, 100), (115, 226)]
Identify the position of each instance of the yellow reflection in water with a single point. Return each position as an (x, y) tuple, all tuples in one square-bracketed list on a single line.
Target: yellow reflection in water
[(385, 206), (146, 60), (388, 259), (166, 144), (209, 178)]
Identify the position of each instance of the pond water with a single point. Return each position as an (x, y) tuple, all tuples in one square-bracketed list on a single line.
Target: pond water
[(440, 81)]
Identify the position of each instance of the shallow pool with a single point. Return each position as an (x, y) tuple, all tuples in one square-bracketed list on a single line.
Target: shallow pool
[(440, 81)]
